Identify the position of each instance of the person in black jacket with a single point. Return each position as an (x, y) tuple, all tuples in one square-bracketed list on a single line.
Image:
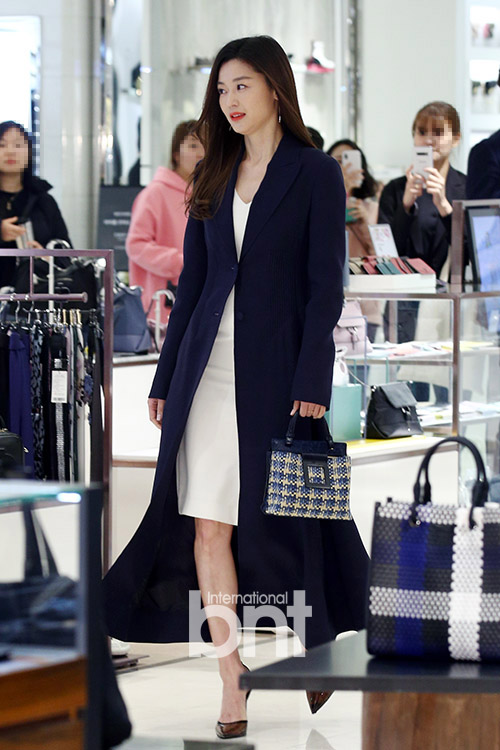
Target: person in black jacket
[(23, 197), (420, 216), (483, 169)]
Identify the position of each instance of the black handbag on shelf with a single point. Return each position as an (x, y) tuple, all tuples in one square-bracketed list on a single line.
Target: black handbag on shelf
[(70, 277), (41, 608), (392, 412), (308, 478), (11, 451)]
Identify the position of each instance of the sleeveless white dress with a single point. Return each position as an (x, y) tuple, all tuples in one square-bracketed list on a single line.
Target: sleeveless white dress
[(208, 471)]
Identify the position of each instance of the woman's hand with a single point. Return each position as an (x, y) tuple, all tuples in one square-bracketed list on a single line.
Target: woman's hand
[(413, 190), (156, 406), (353, 178), (10, 230), (306, 409), (358, 210), (436, 186)]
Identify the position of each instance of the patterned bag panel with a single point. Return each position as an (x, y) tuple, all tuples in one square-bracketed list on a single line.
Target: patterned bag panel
[(435, 584), (308, 486)]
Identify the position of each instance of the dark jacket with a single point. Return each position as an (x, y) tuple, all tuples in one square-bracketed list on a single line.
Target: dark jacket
[(422, 233), (483, 170), (288, 298), (33, 203)]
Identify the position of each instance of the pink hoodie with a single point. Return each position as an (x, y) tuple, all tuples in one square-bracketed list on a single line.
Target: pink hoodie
[(156, 236)]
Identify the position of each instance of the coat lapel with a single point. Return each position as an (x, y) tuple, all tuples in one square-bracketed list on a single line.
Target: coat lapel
[(281, 172)]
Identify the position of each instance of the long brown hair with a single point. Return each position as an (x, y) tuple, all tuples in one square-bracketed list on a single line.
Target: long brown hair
[(222, 144)]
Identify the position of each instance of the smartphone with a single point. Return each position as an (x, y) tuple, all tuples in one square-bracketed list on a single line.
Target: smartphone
[(28, 236), (422, 158), (351, 159)]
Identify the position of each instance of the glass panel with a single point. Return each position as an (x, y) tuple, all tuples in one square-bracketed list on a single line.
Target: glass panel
[(480, 379), (41, 579)]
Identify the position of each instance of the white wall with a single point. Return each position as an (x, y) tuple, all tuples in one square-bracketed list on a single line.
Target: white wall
[(69, 119), (409, 49)]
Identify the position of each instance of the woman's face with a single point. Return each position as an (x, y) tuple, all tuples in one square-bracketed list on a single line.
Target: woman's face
[(13, 152), (245, 98), (439, 135), (189, 154)]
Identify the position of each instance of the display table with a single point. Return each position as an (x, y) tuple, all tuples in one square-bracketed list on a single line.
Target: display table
[(408, 704)]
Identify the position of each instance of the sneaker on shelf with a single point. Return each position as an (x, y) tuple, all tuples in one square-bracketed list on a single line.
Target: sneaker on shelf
[(119, 648), (319, 62)]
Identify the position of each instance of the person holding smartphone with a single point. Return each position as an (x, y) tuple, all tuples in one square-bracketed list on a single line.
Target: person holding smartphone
[(362, 191), (23, 198), (419, 209)]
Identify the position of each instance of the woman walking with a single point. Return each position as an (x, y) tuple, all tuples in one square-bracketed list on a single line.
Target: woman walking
[(249, 340)]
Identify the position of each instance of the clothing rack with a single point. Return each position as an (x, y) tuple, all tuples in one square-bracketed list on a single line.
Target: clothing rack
[(31, 296)]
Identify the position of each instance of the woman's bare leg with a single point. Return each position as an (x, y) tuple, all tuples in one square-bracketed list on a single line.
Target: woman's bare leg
[(216, 578)]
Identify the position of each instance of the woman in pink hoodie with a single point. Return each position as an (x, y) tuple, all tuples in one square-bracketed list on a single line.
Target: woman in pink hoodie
[(156, 234)]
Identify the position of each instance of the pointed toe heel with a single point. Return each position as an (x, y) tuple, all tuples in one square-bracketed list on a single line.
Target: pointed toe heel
[(230, 730), (317, 698)]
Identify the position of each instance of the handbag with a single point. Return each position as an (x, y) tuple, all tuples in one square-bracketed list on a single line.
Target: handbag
[(308, 478), (40, 609), (73, 277), (130, 332), (11, 451), (350, 331), (392, 412), (434, 581)]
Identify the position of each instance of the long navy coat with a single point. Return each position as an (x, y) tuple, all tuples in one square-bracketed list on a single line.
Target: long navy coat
[(288, 298)]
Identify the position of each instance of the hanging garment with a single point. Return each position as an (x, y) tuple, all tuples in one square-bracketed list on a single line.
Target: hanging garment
[(36, 343), (20, 393), (4, 376)]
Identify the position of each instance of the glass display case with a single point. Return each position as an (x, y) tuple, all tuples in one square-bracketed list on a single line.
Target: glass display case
[(50, 572), (446, 345)]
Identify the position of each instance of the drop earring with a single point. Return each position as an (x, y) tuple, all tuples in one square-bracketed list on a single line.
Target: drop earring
[(279, 114)]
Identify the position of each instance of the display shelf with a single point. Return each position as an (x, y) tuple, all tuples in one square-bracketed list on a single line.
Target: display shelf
[(51, 676)]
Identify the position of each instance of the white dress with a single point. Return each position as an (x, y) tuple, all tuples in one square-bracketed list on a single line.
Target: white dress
[(208, 471)]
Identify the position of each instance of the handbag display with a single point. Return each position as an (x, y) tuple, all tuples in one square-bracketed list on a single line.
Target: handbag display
[(40, 609), (72, 277), (308, 478), (392, 412), (350, 331), (131, 334), (11, 451), (434, 585)]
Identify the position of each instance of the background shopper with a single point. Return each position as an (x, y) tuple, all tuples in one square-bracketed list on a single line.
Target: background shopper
[(156, 234), (361, 211), (23, 197), (420, 215), (249, 339)]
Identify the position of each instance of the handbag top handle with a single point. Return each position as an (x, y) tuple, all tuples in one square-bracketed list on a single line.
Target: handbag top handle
[(479, 490), (290, 433)]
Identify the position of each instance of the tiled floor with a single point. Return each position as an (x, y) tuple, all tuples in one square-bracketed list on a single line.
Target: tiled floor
[(173, 697)]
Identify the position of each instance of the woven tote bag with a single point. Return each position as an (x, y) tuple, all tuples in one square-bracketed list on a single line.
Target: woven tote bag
[(434, 587)]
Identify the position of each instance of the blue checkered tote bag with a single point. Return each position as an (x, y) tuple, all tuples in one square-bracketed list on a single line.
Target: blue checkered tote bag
[(308, 478), (435, 574)]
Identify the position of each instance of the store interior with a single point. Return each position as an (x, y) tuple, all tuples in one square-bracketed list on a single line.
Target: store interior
[(101, 85)]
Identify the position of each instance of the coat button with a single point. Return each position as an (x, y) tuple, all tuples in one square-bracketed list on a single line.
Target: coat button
[(240, 315), (217, 314), (232, 268)]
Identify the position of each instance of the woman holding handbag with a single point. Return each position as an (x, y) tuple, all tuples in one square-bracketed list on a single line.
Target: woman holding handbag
[(249, 341)]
